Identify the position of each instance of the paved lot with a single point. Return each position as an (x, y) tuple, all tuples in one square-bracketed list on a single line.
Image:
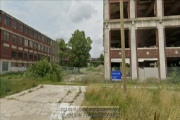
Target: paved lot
[(41, 103)]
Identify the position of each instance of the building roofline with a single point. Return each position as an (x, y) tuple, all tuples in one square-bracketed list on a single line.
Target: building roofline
[(3, 12)]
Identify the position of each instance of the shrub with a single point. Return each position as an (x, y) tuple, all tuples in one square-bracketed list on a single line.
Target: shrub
[(175, 76), (44, 70)]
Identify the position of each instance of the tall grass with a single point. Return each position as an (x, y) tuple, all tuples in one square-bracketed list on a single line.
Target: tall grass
[(138, 104), (10, 85)]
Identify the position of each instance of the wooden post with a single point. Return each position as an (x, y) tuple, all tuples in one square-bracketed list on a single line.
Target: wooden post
[(123, 46)]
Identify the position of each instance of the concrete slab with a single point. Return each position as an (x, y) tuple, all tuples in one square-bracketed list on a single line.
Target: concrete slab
[(40, 103)]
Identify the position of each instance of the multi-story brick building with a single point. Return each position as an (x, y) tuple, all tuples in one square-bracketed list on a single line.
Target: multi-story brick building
[(22, 45), (152, 32)]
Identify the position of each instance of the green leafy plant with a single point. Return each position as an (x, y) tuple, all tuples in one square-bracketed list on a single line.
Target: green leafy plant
[(175, 76), (44, 70)]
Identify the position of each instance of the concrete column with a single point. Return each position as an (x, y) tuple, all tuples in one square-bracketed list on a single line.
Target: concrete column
[(162, 58), (132, 9), (107, 69), (133, 54), (159, 8), (106, 41), (133, 42)]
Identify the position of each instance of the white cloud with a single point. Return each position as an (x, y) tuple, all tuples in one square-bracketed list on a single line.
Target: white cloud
[(60, 18)]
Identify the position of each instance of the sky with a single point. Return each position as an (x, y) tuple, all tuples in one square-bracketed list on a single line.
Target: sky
[(60, 18)]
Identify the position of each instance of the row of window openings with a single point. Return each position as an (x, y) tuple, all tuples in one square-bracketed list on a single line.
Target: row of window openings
[(20, 42), (25, 57), (145, 8), (36, 35), (13, 64)]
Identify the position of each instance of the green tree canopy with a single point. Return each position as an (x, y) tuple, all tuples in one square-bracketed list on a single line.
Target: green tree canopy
[(80, 47), (101, 57), (62, 51)]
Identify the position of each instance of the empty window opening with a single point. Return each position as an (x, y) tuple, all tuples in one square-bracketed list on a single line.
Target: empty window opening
[(30, 57), (173, 66), (171, 7), (20, 55), (146, 38), (35, 57), (145, 8), (13, 54), (13, 64), (116, 38), (5, 66), (115, 10), (148, 63), (172, 36), (25, 56), (173, 62), (116, 66)]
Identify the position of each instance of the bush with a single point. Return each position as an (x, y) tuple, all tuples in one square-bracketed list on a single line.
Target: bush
[(175, 76), (44, 70)]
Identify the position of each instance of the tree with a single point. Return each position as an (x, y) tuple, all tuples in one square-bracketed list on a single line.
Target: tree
[(62, 51), (80, 47), (101, 57)]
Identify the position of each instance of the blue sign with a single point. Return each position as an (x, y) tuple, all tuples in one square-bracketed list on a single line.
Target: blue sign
[(116, 75)]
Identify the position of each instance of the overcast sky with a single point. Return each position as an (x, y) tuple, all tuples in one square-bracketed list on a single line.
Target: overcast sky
[(60, 18)]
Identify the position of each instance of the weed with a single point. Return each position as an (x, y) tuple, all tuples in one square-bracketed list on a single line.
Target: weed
[(15, 85), (22, 94), (141, 103), (29, 91), (42, 86), (68, 92)]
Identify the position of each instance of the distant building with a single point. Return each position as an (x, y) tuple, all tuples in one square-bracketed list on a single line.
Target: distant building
[(22, 45), (152, 32)]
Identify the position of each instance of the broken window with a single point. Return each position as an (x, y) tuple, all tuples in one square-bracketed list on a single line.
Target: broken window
[(115, 10), (145, 8), (171, 7), (146, 38), (116, 38), (172, 36)]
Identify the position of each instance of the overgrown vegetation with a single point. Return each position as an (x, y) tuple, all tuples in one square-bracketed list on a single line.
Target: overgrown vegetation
[(13, 83), (138, 104), (175, 75), (44, 71)]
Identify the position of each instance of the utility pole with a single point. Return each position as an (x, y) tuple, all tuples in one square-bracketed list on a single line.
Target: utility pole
[(123, 46)]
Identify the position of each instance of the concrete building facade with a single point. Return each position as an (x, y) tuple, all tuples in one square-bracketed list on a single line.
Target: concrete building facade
[(152, 32), (22, 45)]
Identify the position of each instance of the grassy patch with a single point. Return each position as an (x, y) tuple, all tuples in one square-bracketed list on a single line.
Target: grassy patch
[(15, 84), (138, 104)]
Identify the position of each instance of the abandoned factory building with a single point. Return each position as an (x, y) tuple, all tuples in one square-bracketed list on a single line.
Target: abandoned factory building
[(152, 37), (22, 45)]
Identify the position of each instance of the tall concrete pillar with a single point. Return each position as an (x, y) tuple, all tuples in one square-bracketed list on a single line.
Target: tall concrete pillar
[(162, 58), (106, 41), (159, 8), (133, 42), (133, 54), (132, 9)]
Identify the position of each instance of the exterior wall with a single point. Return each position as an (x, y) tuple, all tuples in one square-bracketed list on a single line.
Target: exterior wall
[(42, 46), (145, 73), (160, 52)]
